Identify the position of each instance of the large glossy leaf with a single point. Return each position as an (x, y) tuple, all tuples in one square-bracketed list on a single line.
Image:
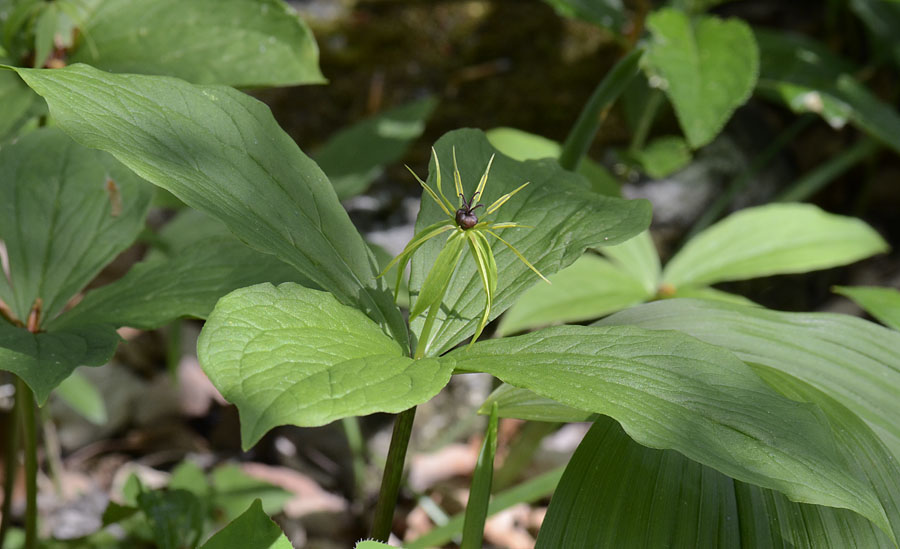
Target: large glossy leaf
[(355, 156), (772, 239), (155, 292), (882, 303), (252, 530), (234, 42), (65, 212), (222, 152), (851, 360), (45, 359), (616, 493), (589, 288), (707, 67), (565, 218), (808, 78), (292, 355), (670, 391)]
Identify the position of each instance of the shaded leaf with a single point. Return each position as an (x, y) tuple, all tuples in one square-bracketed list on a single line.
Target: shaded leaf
[(82, 396), (292, 355), (671, 391), (772, 239), (235, 490), (17, 103), (252, 530), (638, 257), (566, 218), (233, 42), (707, 67), (881, 303), (221, 152), (353, 157), (609, 14), (883, 19), (663, 156), (176, 517), (521, 403)]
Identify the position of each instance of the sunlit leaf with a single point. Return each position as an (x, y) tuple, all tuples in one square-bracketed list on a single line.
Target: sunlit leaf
[(882, 303), (252, 530)]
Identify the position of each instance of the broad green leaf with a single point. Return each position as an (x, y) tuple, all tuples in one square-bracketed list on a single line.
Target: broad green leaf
[(233, 42), (566, 218), (292, 355), (881, 303), (353, 157), (589, 288), (45, 359), (156, 292), (671, 391), (480, 490), (17, 103), (851, 360), (252, 530), (82, 396), (521, 145), (808, 78), (616, 493), (222, 152), (608, 14), (65, 213), (663, 156), (707, 67), (176, 517), (521, 403), (772, 239), (234, 490), (638, 257)]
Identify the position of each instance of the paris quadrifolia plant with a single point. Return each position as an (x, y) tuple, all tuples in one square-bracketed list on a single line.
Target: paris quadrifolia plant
[(465, 229)]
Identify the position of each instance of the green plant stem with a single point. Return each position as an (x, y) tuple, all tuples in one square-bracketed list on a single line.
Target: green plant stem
[(393, 474), (26, 412), (645, 122), (763, 159), (814, 181), (11, 467), (357, 451), (594, 112)]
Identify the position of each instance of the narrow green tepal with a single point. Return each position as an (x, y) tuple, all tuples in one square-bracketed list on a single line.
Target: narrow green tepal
[(292, 355), (221, 152)]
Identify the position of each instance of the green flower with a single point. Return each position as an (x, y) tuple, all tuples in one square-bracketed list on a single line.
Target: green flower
[(465, 229)]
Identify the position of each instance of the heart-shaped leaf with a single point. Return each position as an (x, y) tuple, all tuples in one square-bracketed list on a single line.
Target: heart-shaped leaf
[(234, 42), (564, 216), (707, 67), (292, 355), (221, 152)]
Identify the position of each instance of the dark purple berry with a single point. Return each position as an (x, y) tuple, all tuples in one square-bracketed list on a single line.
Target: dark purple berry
[(465, 216)]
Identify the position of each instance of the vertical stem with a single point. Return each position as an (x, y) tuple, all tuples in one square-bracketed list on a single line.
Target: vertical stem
[(594, 112), (393, 472), (11, 467), (24, 394)]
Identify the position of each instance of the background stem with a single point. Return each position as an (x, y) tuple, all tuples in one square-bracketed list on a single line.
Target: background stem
[(393, 473), (11, 467), (26, 397)]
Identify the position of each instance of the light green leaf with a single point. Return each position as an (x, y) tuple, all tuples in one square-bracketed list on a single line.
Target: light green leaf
[(881, 303), (45, 359), (707, 68), (222, 152), (705, 292), (589, 288), (353, 157), (480, 490), (521, 145), (851, 360), (292, 355), (638, 257), (521, 403), (808, 78), (435, 285), (82, 396), (566, 218), (772, 239), (663, 156), (233, 42), (616, 493), (252, 530), (670, 391), (63, 216), (44, 29), (234, 490), (608, 14), (156, 292)]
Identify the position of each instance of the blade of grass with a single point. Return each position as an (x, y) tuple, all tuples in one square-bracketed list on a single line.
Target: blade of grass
[(480, 490)]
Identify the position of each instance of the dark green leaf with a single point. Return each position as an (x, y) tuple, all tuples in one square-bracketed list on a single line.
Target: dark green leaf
[(883, 20), (566, 218), (234, 42), (882, 303), (222, 152), (175, 515), (65, 213), (292, 355), (707, 67), (17, 103), (671, 391), (609, 14), (353, 157), (252, 530)]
